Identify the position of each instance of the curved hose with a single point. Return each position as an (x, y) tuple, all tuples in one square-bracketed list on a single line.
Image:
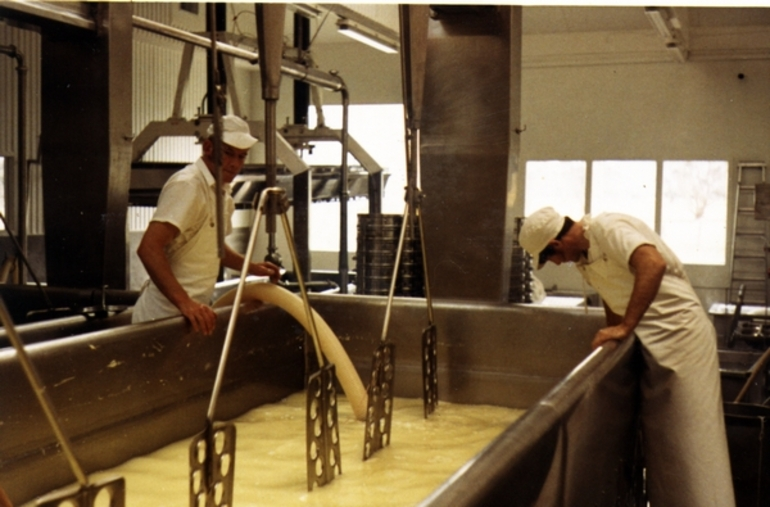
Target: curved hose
[(330, 344)]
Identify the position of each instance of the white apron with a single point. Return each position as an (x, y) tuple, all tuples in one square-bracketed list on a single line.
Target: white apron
[(685, 449)]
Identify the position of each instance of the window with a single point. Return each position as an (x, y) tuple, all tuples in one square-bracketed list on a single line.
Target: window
[(624, 186), (560, 184), (379, 129), (694, 210), (692, 207)]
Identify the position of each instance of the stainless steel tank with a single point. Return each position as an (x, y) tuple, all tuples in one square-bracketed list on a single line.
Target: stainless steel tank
[(129, 390)]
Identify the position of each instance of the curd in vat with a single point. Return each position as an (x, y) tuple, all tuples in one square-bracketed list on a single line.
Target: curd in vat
[(270, 459)]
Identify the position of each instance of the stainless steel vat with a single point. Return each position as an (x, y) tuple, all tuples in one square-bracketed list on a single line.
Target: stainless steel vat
[(126, 391)]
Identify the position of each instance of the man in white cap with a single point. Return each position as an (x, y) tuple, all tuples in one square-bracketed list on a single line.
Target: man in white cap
[(179, 248), (646, 292)]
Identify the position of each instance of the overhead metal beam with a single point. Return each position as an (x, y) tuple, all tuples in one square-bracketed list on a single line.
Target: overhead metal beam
[(197, 128), (298, 135)]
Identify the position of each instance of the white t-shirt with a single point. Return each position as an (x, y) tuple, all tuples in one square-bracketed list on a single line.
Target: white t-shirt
[(188, 202)]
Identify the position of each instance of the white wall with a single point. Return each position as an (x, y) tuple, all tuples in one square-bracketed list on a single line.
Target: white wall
[(658, 111)]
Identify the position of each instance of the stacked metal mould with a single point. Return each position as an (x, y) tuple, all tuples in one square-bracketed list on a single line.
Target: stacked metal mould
[(377, 245), (520, 290)]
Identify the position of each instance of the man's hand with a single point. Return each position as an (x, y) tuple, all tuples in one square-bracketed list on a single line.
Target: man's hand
[(201, 317), (605, 334), (266, 269)]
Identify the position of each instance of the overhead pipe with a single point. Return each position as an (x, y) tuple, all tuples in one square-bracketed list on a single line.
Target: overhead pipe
[(288, 68), (270, 22), (21, 154), (49, 11)]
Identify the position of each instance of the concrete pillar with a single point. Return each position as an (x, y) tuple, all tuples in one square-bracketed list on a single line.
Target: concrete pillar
[(470, 149)]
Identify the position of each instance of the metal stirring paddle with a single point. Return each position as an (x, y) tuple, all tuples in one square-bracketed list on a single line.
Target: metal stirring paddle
[(413, 21), (84, 493), (212, 452), (322, 423)]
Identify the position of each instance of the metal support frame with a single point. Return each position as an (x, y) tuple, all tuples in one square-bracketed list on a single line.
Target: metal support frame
[(21, 153), (86, 232)]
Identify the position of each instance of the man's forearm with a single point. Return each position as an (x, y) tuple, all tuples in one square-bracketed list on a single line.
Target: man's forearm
[(649, 267)]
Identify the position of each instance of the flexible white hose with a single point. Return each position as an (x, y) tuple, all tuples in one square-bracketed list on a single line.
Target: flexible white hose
[(330, 344)]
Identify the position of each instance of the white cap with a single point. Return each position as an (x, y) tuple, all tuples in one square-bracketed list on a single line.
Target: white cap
[(539, 228), (235, 132)]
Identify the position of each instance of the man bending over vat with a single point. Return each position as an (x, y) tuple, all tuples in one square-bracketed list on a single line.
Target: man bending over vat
[(179, 248), (645, 291)]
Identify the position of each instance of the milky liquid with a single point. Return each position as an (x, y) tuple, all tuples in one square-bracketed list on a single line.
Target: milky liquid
[(270, 457)]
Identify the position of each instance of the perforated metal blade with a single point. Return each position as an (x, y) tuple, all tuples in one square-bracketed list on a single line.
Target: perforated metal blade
[(212, 466), (429, 369), (86, 496), (323, 435), (379, 409)]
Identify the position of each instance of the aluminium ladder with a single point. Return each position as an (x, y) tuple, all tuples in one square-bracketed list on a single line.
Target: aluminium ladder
[(749, 267)]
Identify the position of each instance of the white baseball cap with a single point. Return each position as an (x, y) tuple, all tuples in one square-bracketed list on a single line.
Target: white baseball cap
[(539, 228), (235, 132)]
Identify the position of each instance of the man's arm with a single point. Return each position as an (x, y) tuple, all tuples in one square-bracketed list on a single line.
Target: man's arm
[(613, 319), (234, 260), (152, 253), (649, 267)]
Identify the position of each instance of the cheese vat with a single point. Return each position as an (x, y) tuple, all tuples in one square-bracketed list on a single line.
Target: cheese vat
[(128, 390)]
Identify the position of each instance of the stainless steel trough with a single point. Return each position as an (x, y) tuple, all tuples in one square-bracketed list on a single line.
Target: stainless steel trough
[(131, 389)]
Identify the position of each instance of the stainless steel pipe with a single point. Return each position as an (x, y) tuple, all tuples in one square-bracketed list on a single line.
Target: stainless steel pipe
[(288, 68)]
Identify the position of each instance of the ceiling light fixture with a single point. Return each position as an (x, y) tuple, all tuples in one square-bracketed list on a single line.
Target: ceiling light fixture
[(366, 35), (669, 28), (310, 11), (659, 21), (678, 51)]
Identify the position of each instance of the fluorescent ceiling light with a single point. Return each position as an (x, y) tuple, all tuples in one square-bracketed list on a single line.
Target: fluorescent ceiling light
[(659, 20), (669, 28), (366, 35), (679, 52), (308, 10)]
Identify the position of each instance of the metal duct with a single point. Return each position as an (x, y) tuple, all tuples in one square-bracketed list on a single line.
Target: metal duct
[(469, 151), (87, 82)]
